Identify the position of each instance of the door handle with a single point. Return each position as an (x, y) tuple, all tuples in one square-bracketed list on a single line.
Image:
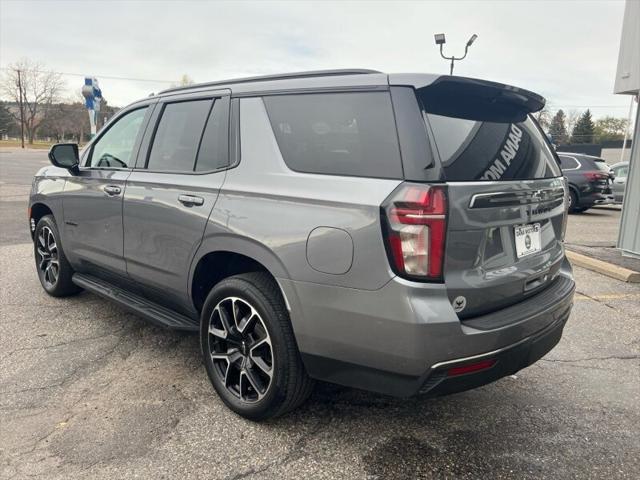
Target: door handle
[(190, 200), (112, 190)]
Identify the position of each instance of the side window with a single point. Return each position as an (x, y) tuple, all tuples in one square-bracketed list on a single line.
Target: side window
[(177, 137), (214, 147), (568, 163), (114, 148), (337, 133)]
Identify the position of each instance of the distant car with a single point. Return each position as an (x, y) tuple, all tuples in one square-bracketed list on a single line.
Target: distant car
[(589, 180), (620, 171)]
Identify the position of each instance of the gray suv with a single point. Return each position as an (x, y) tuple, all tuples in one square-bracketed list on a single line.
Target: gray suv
[(397, 233)]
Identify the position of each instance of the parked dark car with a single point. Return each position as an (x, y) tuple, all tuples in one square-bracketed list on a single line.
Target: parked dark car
[(589, 180), (397, 233)]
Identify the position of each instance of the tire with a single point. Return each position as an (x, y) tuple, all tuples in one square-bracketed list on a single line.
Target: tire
[(52, 265), (249, 349), (573, 202), (581, 209)]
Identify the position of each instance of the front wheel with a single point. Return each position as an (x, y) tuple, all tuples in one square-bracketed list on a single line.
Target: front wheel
[(249, 348), (52, 265)]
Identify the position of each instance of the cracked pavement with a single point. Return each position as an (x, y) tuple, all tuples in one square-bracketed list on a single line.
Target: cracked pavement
[(88, 390)]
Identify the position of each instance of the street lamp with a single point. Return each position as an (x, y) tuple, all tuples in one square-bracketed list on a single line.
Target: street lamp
[(440, 40)]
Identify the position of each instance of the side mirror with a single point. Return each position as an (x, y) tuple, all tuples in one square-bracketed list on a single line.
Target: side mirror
[(65, 155)]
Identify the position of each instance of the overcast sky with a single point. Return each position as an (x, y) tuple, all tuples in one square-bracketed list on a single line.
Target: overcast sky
[(564, 50)]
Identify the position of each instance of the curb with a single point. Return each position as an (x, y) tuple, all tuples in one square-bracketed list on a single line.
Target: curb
[(605, 268), (611, 208)]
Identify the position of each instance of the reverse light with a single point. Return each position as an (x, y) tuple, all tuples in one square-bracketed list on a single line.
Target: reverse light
[(415, 221)]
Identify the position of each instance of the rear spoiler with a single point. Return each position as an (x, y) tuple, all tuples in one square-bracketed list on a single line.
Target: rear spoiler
[(478, 100)]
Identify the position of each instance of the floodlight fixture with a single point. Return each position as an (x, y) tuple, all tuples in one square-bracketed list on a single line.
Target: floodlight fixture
[(440, 40)]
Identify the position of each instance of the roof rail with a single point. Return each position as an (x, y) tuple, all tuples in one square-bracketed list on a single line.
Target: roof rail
[(281, 76)]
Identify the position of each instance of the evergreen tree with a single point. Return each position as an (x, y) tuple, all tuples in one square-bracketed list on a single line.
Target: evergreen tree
[(8, 124), (584, 129), (558, 129)]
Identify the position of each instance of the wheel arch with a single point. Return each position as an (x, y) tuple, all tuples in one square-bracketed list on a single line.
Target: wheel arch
[(36, 212), (214, 263), (574, 188)]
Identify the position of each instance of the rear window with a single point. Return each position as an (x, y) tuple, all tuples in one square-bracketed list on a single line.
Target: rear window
[(621, 171), (337, 133), (601, 165), (488, 151)]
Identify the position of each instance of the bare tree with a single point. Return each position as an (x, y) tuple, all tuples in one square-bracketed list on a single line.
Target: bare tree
[(544, 118), (34, 89)]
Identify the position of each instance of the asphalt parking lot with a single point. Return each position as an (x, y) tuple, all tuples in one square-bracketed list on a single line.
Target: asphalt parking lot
[(88, 390), (597, 227)]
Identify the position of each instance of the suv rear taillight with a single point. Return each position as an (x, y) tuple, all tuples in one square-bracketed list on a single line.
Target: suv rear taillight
[(595, 176), (415, 223)]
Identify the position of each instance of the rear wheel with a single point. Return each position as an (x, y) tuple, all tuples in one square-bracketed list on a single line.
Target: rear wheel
[(573, 202), (249, 349), (53, 268)]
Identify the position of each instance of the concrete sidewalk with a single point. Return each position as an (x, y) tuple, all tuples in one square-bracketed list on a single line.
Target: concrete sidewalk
[(591, 243), (606, 260)]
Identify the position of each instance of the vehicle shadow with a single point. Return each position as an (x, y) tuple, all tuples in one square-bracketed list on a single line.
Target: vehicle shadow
[(508, 429)]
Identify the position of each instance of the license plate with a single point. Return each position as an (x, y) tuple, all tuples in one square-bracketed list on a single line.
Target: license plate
[(527, 239)]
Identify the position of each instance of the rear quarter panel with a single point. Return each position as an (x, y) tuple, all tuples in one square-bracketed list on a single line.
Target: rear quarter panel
[(267, 211)]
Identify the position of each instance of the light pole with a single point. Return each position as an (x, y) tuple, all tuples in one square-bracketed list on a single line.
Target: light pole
[(440, 40)]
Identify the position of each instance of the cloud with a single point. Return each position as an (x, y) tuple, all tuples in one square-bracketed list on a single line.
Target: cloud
[(567, 51)]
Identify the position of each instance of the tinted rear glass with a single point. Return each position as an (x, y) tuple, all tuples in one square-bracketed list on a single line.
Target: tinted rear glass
[(337, 133), (481, 150), (214, 144), (176, 140)]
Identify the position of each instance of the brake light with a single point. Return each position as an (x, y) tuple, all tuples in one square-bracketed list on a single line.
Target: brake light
[(595, 176), (415, 221)]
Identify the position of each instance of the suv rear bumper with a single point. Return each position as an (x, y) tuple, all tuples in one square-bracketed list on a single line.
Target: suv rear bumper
[(508, 360), (400, 339), (595, 198)]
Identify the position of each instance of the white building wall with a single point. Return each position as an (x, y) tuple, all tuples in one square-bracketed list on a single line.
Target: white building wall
[(612, 155), (628, 82), (628, 74), (629, 235)]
